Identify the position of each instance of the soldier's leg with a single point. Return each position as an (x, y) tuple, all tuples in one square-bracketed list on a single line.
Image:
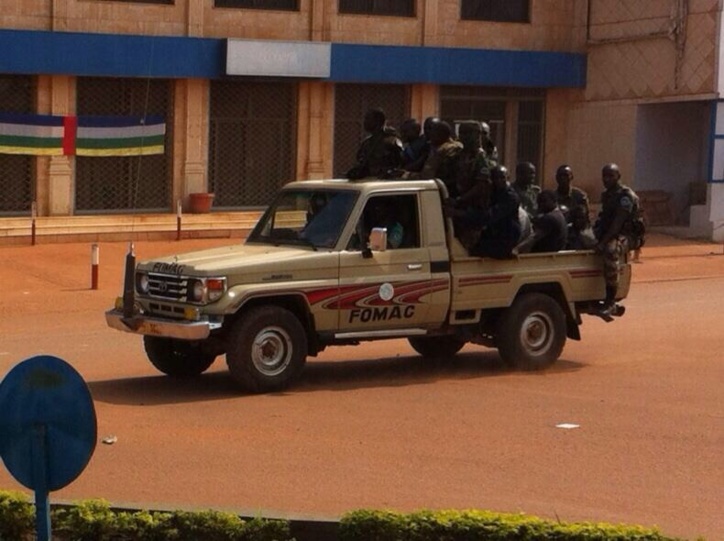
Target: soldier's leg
[(611, 260)]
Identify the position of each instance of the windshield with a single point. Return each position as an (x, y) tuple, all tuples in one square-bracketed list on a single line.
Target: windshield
[(305, 217)]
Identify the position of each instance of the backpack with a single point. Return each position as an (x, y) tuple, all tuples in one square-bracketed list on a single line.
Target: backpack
[(637, 238), (637, 229)]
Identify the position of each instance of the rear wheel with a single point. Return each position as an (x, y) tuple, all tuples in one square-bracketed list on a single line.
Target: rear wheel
[(436, 346), (531, 333), (177, 358), (267, 349)]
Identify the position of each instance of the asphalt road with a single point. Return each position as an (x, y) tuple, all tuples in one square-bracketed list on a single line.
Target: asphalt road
[(377, 426)]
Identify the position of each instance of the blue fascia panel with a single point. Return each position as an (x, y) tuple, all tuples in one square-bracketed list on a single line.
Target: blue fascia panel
[(33, 52), (438, 65)]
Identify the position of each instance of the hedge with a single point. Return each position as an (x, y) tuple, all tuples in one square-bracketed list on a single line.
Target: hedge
[(370, 525), (94, 520)]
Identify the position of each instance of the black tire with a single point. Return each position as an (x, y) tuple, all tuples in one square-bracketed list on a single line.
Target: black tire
[(436, 346), (531, 333), (267, 349), (177, 358)]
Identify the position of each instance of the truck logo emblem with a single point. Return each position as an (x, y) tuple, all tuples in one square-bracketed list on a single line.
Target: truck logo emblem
[(169, 268), (162, 287), (387, 291)]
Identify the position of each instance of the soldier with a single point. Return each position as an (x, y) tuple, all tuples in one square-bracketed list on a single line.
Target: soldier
[(488, 144), (570, 197), (615, 231), (499, 222), (580, 234), (380, 152), (526, 188), (414, 145), (441, 163), (473, 168), (549, 227)]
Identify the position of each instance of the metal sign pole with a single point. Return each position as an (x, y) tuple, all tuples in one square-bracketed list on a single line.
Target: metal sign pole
[(42, 503)]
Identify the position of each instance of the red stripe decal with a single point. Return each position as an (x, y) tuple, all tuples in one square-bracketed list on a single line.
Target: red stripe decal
[(477, 280)]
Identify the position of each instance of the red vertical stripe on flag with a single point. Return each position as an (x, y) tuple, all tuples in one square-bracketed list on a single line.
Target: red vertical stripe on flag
[(70, 126)]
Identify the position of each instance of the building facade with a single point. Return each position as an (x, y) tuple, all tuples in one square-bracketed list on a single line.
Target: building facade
[(255, 93)]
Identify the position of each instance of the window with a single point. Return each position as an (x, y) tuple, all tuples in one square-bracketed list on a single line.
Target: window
[(530, 131), (515, 116), (289, 5), (351, 102), (400, 8), (123, 183), (17, 183), (252, 145), (397, 214), (305, 217), (507, 11)]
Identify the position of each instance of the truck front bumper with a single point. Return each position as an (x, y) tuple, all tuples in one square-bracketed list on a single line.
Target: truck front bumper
[(166, 328)]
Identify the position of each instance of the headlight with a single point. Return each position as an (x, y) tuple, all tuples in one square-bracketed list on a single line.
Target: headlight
[(203, 290), (196, 290), (142, 282)]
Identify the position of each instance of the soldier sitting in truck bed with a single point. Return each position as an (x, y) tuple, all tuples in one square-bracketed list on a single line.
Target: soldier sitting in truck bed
[(499, 222), (380, 152)]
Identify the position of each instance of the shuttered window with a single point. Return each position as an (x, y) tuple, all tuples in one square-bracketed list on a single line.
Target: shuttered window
[(509, 11), (288, 5), (400, 8)]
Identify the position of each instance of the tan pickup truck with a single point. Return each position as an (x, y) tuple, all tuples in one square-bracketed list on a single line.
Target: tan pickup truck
[(316, 272)]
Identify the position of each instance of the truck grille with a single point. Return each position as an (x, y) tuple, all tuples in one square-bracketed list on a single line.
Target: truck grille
[(168, 286)]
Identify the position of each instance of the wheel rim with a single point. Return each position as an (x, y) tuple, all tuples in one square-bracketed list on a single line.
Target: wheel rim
[(536, 333), (272, 351)]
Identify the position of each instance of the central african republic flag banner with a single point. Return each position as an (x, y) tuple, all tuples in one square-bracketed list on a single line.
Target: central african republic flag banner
[(50, 135)]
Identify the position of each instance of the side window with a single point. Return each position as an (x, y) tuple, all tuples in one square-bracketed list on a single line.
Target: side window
[(395, 213)]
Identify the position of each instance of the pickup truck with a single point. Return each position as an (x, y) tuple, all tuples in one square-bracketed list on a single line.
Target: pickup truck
[(314, 272)]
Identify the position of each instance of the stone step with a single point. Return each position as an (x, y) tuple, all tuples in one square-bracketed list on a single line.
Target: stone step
[(18, 230)]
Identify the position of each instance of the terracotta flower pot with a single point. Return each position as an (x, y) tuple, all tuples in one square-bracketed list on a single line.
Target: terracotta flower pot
[(200, 203)]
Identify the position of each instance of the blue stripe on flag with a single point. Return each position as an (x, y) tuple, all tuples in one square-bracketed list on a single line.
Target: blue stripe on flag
[(31, 119)]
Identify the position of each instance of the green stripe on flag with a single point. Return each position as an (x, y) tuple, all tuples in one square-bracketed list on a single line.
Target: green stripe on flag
[(30, 142)]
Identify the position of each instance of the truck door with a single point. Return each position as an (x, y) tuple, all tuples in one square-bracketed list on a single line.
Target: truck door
[(390, 289)]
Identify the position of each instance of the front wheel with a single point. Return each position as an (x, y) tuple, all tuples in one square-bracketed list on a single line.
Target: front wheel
[(436, 346), (177, 358), (267, 349), (532, 332)]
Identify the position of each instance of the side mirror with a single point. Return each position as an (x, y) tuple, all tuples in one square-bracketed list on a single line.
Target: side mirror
[(378, 239)]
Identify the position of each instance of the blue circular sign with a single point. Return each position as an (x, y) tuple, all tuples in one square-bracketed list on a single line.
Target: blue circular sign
[(46, 414)]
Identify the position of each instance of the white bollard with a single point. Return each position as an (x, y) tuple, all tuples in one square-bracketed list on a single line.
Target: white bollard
[(95, 260)]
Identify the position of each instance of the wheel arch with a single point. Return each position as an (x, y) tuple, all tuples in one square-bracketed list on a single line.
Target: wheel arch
[(295, 303), (555, 291)]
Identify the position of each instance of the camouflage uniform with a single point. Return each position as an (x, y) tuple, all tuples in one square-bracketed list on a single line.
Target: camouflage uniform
[(528, 198), (378, 154), (616, 244), (573, 199), (472, 169), (442, 164)]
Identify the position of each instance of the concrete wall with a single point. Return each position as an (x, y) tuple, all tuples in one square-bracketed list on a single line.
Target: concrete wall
[(586, 136), (437, 23)]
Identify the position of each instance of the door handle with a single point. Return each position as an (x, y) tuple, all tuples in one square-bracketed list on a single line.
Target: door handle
[(414, 266)]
